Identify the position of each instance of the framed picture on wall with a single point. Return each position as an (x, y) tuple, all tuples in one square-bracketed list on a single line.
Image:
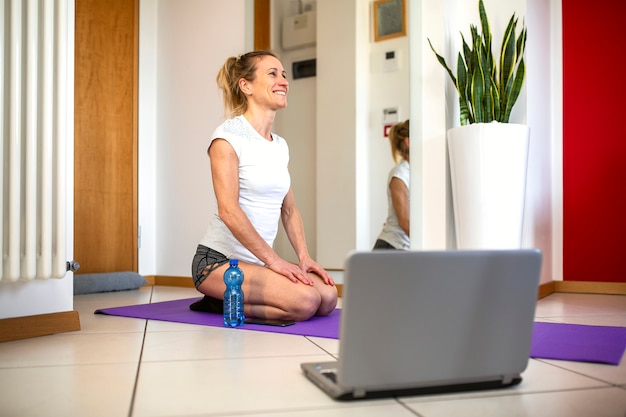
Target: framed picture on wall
[(389, 19)]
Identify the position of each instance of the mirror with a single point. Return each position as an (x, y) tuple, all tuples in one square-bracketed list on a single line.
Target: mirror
[(343, 127)]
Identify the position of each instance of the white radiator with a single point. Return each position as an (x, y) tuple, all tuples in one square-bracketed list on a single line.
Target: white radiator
[(35, 74)]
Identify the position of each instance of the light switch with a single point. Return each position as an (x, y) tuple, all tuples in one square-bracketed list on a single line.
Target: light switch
[(391, 115), (391, 61)]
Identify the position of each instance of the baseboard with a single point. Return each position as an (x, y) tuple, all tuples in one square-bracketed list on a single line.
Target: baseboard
[(545, 290), (588, 287), (171, 281), (17, 328)]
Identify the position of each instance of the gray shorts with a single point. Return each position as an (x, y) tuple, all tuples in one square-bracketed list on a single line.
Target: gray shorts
[(205, 261)]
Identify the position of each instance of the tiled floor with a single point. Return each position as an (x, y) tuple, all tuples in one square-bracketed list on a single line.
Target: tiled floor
[(129, 367)]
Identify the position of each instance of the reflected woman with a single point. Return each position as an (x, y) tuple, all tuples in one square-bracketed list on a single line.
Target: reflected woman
[(395, 233)]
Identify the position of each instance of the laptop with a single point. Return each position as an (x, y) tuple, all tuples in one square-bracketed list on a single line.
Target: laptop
[(415, 323)]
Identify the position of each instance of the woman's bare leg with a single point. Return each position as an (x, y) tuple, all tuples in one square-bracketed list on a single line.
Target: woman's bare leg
[(328, 295), (272, 296)]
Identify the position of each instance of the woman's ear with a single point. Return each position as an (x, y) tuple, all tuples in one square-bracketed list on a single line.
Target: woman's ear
[(244, 87)]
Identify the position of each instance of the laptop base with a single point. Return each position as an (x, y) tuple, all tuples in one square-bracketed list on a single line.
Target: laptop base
[(320, 377), (443, 389)]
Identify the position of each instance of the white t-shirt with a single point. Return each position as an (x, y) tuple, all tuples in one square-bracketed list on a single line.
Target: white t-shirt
[(263, 183), (392, 233)]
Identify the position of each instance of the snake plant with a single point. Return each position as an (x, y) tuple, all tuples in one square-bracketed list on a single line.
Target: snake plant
[(488, 89)]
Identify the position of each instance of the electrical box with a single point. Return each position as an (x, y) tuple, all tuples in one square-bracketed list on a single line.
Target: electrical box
[(303, 69), (299, 31)]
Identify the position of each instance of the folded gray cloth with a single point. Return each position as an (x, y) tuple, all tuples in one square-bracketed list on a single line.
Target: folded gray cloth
[(106, 282)]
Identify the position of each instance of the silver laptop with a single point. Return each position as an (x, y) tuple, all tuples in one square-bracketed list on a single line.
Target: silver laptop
[(416, 323)]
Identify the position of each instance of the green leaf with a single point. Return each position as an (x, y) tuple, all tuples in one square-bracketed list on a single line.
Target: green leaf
[(467, 51), (486, 33), (508, 54), (516, 88), (495, 100), (442, 61), (521, 42), (487, 102), (488, 88), (463, 91), (478, 94)]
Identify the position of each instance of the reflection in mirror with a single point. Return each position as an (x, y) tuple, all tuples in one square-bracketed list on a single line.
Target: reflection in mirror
[(395, 230), (380, 80)]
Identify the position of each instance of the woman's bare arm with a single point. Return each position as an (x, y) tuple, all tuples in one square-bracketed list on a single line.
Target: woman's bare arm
[(225, 174), (400, 200)]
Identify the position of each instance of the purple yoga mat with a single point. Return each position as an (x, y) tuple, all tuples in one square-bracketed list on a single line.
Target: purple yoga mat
[(178, 311), (570, 342), (579, 343)]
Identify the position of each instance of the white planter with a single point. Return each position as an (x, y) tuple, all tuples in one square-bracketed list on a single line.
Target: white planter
[(488, 164)]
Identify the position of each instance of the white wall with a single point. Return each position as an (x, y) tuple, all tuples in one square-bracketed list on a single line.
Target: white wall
[(182, 47), (332, 122), (543, 212), (297, 124)]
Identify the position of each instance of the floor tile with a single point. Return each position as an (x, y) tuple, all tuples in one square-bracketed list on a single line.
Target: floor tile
[(86, 303), (168, 326), (615, 320), (165, 293), (72, 349), (216, 387), (604, 402), (567, 305), (67, 391), (538, 377), (372, 409), (223, 343), (100, 323), (611, 374)]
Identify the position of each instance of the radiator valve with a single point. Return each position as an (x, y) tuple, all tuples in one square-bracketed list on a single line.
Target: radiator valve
[(73, 266)]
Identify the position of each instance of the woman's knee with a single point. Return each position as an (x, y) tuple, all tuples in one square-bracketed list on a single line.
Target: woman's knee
[(305, 305), (328, 300)]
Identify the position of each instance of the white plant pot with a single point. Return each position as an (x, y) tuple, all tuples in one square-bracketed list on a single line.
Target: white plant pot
[(488, 163)]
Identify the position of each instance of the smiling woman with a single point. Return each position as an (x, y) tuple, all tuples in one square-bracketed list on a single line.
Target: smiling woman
[(252, 188)]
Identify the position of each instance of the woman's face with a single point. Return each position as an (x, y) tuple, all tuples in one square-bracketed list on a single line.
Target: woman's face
[(270, 87)]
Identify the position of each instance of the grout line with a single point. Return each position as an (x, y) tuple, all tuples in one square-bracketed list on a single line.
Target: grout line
[(143, 341), (406, 406), (329, 353), (563, 366)]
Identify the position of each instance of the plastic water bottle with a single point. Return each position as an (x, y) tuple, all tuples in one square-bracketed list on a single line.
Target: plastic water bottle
[(233, 296)]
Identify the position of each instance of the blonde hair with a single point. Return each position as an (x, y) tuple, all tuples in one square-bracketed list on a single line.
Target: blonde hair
[(234, 69), (397, 134)]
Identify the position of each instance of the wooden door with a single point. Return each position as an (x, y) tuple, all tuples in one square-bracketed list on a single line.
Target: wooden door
[(105, 174), (262, 12)]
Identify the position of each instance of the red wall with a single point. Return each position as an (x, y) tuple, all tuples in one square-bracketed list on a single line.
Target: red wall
[(594, 140)]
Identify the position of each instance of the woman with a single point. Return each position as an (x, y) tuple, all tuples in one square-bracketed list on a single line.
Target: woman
[(249, 168), (395, 233)]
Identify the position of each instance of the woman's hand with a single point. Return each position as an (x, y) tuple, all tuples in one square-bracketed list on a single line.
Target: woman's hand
[(293, 272), (309, 265), (300, 273)]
